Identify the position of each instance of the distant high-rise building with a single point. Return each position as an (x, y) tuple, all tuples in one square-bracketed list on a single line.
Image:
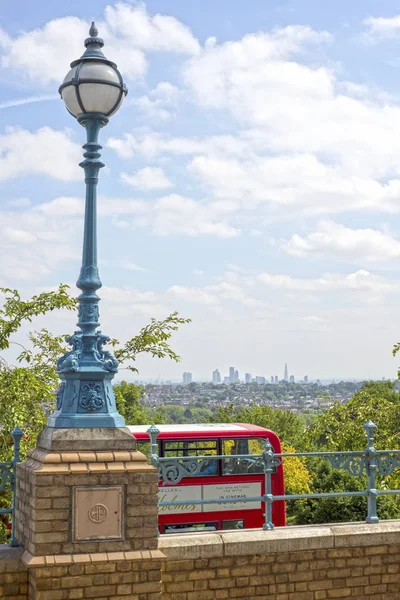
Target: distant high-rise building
[(260, 380), (305, 378), (226, 380), (286, 375), (247, 378), (236, 379), (272, 379), (276, 379), (291, 379), (216, 376), (231, 374), (187, 378)]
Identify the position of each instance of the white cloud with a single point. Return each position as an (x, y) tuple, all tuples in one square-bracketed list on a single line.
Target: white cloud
[(24, 153), (149, 178), (34, 244), (231, 288), (197, 295), (383, 27), (229, 73), (128, 30), (160, 102), (177, 215), (362, 281), (311, 140), (335, 240), (152, 144), (151, 33), (169, 215)]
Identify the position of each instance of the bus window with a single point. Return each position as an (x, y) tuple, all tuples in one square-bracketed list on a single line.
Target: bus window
[(190, 527), (145, 448), (233, 524), (242, 466), (189, 448)]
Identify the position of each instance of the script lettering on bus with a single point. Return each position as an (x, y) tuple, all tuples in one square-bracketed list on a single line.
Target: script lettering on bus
[(179, 494)]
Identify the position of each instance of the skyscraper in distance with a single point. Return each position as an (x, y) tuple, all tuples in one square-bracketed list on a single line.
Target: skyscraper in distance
[(231, 374), (286, 375), (187, 378), (247, 378), (216, 376)]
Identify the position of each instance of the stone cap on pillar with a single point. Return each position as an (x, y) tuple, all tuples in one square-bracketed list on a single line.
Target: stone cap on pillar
[(96, 438)]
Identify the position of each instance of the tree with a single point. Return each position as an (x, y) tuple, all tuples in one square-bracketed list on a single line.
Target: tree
[(341, 427), (286, 424), (27, 390), (128, 398), (297, 477), (338, 509)]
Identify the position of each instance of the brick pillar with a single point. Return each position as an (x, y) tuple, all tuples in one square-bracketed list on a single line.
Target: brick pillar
[(86, 513)]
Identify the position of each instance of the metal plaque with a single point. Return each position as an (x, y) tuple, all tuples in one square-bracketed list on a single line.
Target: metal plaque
[(97, 513)]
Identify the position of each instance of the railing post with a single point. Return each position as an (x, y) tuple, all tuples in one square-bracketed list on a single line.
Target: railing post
[(17, 435), (268, 456), (153, 432), (369, 428)]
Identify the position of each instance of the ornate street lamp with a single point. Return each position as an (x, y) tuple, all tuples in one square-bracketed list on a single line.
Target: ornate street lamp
[(92, 90)]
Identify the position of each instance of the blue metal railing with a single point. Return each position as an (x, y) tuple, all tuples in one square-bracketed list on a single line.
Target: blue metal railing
[(369, 462), (8, 480)]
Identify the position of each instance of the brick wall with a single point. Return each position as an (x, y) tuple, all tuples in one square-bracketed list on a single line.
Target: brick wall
[(13, 574), (354, 561), (44, 501), (102, 576), (298, 563)]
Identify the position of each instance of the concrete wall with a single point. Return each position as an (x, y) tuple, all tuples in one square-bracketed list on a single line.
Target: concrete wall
[(355, 561)]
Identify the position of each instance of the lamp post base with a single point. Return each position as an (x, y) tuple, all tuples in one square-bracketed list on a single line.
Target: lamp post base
[(86, 399)]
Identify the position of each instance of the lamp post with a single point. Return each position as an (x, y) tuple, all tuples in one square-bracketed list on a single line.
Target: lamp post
[(92, 90)]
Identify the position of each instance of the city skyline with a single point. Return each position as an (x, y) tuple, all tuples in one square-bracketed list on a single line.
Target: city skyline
[(252, 179), (234, 377)]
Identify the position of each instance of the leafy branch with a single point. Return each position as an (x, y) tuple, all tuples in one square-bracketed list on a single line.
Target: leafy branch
[(15, 310), (151, 339)]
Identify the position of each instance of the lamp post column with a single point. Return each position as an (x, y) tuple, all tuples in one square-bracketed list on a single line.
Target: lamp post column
[(85, 492)]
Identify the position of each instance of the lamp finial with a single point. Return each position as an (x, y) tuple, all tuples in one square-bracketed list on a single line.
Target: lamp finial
[(93, 32)]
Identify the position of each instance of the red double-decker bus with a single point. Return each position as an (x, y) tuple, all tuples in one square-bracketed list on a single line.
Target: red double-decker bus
[(220, 479)]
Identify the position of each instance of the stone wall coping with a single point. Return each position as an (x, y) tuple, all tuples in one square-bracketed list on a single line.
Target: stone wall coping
[(86, 463), (10, 559), (282, 539), (87, 456), (58, 560)]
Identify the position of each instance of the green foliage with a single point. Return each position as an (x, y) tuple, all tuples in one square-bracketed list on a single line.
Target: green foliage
[(16, 311), (341, 426), (27, 391), (151, 339), (297, 477), (128, 397), (340, 509), (285, 423)]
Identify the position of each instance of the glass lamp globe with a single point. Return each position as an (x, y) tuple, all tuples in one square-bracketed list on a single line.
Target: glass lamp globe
[(94, 84)]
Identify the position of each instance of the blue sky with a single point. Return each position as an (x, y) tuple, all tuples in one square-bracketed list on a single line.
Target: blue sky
[(252, 177)]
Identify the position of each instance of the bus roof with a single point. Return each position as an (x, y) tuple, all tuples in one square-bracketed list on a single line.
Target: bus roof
[(209, 429)]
